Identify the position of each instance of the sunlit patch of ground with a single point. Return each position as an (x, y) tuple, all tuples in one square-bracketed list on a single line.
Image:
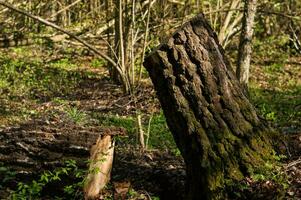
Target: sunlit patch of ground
[(275, 90)]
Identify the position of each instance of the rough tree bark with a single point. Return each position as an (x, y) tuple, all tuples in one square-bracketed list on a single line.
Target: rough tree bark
[(32, 148), (216, 128), (245, 43)]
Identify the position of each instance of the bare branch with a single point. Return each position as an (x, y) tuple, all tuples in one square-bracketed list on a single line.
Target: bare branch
[(62, 10), (47, 23)]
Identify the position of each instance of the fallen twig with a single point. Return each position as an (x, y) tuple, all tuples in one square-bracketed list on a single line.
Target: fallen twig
[(291, 164)]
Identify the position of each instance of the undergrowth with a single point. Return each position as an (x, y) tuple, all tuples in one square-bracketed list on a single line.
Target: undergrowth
[(159, 135), (34, 189), (25, 83)]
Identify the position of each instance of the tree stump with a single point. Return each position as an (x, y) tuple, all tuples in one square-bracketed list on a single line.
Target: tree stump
[(101, 161), (217, 130)]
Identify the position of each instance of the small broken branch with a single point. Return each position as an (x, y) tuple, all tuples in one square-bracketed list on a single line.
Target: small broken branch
[(291, 164), (101, 162), (141, 132)]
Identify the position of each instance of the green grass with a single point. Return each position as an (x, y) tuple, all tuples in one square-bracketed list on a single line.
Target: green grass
[(119, 121), (160, 137), (277, 94), (76, 116), (96, 63), (32, 79), (63, 63), (281, 107), (26, 82)]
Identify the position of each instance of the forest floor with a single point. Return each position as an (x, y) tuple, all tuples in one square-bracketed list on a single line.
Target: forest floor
[(41, 90)]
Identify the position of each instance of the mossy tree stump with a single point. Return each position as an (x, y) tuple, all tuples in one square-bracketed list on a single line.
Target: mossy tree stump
[(216, 128)]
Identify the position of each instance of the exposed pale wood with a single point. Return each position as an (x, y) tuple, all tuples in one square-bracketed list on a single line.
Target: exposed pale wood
[(108, 25), (101, 161), (141, 132)]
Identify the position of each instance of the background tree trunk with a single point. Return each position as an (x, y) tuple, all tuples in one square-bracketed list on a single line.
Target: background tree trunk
[(245, 43), (213, 123)]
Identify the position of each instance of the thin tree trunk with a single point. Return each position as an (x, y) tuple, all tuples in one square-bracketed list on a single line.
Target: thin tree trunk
[(47, 23), (213, 123), (226, 23), (119, 67), (145, 38), (132, 47), (245, 44), (54, 14), (112, 70), (113, 73), (120, 49)]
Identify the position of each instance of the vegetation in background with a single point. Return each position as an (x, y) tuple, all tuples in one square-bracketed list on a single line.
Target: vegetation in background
[(20, 78), (39, 82)]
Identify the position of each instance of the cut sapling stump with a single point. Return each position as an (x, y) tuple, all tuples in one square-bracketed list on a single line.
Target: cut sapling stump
[(101, 161)]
